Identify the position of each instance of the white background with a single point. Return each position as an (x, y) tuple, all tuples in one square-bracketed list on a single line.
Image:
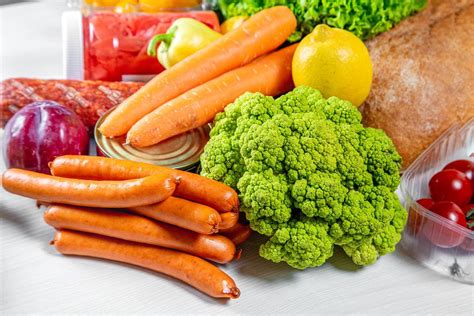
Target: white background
[(35, 279)]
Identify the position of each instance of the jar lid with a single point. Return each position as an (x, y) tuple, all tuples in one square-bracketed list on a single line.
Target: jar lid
[(179, 152)]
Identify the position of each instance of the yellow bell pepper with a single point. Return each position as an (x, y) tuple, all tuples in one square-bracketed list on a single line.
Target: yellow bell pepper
[(232, 23), (152, 6), (184, 37), (101, 3), (126, 6)]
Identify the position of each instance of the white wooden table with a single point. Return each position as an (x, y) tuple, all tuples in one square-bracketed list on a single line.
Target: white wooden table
[(35, 279)]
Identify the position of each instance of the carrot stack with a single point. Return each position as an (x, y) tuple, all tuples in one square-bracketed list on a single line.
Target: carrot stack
[(193, 91)]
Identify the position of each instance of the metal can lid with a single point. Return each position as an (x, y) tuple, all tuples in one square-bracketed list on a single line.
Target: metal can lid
[(179, 152)]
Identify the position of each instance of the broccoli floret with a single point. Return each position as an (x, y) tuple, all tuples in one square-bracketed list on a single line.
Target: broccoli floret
[(262, 147), (341, 111), (300, 243), (356, 221), (221, 160), (361, 253), (309, 176), (381, 157), (265, 200), (374, 218), (301, 100), (322, 195), (312, 146)]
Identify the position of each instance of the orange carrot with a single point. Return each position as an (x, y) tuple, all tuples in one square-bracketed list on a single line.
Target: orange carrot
[(260, 34), (270, 75)]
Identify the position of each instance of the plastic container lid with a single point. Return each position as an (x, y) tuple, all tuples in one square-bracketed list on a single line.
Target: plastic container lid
[(179, 152)]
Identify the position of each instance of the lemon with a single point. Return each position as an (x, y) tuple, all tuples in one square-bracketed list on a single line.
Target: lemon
[(334, 61)]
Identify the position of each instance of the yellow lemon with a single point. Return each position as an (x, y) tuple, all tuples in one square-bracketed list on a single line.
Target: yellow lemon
[(232, 24), (334, 61)]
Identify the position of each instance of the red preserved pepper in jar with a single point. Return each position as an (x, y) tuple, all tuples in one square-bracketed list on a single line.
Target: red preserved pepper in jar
[(115, 44)]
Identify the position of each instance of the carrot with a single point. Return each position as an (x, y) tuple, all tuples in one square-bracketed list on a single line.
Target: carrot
[(118, 194), (270, 75), (130, 227), (192, 186), (183, 213), (190, 269), (228, 220), (260, 34)]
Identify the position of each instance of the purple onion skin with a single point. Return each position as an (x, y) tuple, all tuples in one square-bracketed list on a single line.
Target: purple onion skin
[(40, 132)]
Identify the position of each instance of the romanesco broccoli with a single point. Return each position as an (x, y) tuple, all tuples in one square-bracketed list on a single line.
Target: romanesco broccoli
[(309, 176)]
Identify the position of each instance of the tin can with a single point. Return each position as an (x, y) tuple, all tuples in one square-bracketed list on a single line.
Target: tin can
[(179, 152)]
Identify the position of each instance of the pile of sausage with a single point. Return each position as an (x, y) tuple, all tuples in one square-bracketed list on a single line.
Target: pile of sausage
[(158, 218)]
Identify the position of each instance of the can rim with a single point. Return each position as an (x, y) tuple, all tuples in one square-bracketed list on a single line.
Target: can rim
[(98, 136)]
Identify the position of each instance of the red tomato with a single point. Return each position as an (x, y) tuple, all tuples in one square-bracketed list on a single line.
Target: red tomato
[(426, 203), (443, 234), (466, 208), (470, 224), (450, 185), (416, 218), (465, 166)]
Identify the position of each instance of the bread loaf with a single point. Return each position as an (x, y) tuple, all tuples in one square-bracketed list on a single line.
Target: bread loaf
[(423, 76)]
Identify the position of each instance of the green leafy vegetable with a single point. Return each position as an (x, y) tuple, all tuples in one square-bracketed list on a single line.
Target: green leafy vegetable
[(362, 17), (309, 175)]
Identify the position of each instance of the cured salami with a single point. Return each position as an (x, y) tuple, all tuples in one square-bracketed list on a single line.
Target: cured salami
[(89, 99)]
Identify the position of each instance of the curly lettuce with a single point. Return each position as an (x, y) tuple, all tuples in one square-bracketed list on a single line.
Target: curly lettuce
[(363, 18)]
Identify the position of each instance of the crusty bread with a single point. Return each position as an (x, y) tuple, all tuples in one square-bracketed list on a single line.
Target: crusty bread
[(423, 76)]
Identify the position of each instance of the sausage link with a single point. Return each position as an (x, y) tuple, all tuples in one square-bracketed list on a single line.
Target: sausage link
[(190, 269), (192, 186), (139, 229), (128, 193), (229, 219), (239, 233), (183, 213)]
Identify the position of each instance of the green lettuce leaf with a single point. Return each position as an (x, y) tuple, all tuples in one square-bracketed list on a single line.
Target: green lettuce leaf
[(364, 18)]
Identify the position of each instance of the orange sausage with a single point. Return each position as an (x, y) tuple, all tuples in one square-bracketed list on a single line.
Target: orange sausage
[(190, 269), (139, 229), (229, 219), (238, 234), (129, 193), (183, 213), (192, 187)]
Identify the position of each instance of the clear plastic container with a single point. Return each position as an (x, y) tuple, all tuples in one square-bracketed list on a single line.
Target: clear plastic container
[(456, 258)]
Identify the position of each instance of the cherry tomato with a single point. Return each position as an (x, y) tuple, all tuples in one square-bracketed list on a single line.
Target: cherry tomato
[(443, 234), (470, 224), (465, 166), (416, 218), (426, 203), (450, 185), (467, 208)]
